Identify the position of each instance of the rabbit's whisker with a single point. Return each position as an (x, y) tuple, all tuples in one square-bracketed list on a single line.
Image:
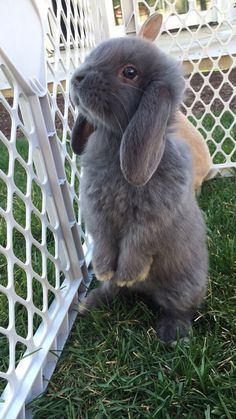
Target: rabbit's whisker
[(122, 104), (118, 122), (136, 88), (103, 119)]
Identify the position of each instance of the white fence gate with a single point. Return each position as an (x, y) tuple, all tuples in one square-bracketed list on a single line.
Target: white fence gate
[(42, 262), (201, 34), (43, 266)]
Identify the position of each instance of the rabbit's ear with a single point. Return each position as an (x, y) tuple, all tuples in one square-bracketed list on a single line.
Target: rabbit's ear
[(81, 131), (143, 141), (151, 27)]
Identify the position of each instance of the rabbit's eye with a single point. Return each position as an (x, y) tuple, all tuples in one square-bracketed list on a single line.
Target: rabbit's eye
[(130, 72)]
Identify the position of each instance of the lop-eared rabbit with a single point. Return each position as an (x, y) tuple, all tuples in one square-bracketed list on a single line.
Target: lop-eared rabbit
[(136, 189)]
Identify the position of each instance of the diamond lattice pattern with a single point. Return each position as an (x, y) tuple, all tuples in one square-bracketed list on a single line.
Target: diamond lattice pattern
[(34, 264), (203, 36)]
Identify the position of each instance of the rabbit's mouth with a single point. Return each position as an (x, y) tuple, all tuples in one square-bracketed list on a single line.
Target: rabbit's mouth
[(94, 117), (94, 107)]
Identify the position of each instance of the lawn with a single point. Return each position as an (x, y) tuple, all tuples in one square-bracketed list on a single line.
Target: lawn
[(216, 133), (113, 365)]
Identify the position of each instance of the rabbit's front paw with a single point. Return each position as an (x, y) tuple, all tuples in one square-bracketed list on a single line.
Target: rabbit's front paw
[(103, 264), (103, 276), (124, 278)]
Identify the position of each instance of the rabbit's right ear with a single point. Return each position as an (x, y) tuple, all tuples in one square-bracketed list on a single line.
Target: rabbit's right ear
[(81, 131), (151, 27)]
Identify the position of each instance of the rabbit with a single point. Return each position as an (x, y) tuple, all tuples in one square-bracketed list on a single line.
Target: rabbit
[(202, 164), (136, 189)]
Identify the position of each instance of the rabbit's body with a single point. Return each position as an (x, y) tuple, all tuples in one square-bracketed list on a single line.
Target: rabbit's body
[(152, 215), (136, 190), (198, 147)]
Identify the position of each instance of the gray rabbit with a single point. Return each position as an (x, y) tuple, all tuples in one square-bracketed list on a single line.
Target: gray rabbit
[(136, 190)]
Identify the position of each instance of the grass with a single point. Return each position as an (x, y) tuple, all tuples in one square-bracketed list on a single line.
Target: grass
[(113, 365), (217, 133)]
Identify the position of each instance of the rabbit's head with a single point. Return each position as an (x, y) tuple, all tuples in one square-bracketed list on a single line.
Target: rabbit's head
[(132, 89)]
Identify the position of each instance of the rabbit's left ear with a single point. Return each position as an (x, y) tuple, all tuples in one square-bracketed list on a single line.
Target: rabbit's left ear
[(81, 131), (143, 141), (151, 27)]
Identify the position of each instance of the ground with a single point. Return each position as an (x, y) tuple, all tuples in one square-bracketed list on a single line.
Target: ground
[(114, 367)]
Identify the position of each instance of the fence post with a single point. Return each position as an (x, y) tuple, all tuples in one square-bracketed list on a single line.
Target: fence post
[(128, 8)]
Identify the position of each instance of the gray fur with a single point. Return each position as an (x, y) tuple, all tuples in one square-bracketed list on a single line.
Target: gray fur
[(136, 190)]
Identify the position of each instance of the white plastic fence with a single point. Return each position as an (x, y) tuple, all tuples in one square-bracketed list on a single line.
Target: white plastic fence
[(43, 267), (42, 263), (201, 34)]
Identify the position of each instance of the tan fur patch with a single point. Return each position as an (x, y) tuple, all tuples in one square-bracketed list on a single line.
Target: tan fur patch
[(82, 309), (140, 278), (104, 277)]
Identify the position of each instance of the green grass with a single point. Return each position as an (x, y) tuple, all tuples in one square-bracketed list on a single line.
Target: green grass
[(217, 133), (113, 365)]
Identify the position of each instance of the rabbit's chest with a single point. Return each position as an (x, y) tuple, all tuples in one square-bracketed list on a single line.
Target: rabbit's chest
[(107, 194)]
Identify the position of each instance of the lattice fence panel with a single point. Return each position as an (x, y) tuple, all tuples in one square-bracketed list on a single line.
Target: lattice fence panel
[(34, 261), (70, 36), (202, 34), (41, 266)]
